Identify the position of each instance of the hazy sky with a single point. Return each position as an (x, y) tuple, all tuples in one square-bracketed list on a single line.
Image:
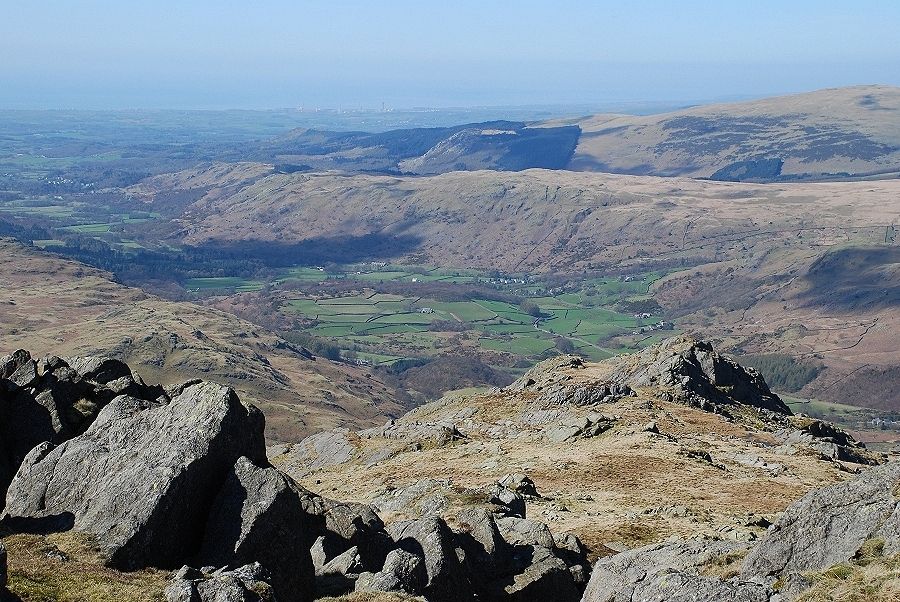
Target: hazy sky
[(259, 53)]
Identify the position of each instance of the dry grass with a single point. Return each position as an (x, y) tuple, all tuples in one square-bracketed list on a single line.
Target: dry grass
[(724, 567), (877, 580), (40, 572), (371, 597)]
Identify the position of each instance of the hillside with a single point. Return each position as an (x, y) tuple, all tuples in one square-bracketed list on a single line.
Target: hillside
[(503, 145), (621, 458), (49, 305), (533, 220), (838, 133), (802, 269), (665, 475)]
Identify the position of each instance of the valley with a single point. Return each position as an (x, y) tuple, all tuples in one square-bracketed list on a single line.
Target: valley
[(346, 263), (450, 328)]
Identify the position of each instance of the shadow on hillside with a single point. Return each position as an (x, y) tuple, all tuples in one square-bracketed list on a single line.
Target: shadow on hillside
[(856, 278), (323, 249)]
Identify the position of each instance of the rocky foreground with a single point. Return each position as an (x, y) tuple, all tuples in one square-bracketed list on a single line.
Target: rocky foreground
[(178, 480)]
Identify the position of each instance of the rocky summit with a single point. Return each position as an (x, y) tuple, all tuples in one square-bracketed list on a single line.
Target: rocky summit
[(671, 474)]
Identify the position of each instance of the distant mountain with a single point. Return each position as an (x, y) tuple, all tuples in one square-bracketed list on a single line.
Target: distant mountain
[(844, 133), (503, 145), (839, 133)]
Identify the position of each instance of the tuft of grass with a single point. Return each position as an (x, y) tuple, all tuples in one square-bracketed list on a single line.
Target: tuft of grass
[(841, 572), (869, 551), (877, 580), (68, 567), (725, 566)]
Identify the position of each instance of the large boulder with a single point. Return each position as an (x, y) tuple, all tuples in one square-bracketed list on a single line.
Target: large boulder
[(432, 539), (487, 554), (830, 525), (669, 572), (402, 572), (51, 400), (258, 517), (545, 576), (143, 477), (525, 532)]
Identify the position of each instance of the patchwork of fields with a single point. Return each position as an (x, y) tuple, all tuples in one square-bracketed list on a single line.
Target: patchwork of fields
[(382, 328)]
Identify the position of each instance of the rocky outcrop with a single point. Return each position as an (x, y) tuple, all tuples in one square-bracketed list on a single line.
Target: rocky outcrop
[(432, 433), (696, 374), (829, 526), (501, 555), (166, 478), (53, 400), (316, 451), (575, 427), (826, 439), (344, 525), (849, 522), (670, 572), (432, 539), (258, 516), (249, 583), (144, 475), (556, 389)]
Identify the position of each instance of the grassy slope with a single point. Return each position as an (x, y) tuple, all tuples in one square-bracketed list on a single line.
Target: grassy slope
[(743, 255), (852, 130), (49, 305)]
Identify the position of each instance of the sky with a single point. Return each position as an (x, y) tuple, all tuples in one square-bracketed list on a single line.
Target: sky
[(402, 54)]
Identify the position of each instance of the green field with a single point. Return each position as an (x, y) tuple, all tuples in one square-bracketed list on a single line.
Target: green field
[(382, 327)]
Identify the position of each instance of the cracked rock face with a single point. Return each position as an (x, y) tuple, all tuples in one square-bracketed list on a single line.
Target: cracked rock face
[(669, 573), (829, 525), (258, 517), (143, 476), (697, 372)]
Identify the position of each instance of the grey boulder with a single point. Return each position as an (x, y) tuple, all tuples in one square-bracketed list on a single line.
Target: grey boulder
[(402, 572), (522, 531), (830, 525), (143, 477), (669, 572), (258, 516), (544, 577), (249, 583), (432, 539)]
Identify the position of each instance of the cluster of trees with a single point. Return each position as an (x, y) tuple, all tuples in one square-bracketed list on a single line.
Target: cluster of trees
[(783, 372), (317, 345)]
